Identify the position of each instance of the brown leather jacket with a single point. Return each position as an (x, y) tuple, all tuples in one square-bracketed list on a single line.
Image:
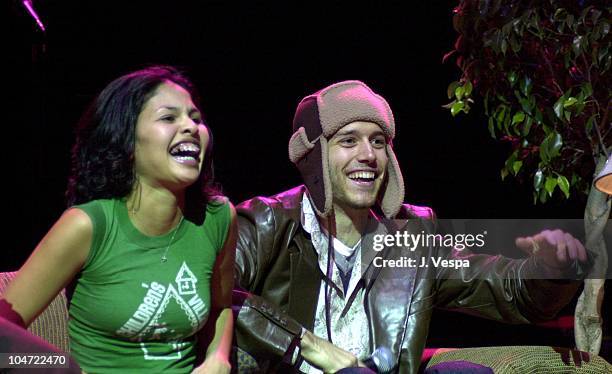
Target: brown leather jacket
[(277, 265)]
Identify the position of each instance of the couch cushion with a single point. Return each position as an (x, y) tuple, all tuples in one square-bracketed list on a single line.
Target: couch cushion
[(527, 359), (52, 323)]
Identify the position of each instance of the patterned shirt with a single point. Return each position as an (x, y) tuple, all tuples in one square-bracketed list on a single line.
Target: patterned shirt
[(349, 331)]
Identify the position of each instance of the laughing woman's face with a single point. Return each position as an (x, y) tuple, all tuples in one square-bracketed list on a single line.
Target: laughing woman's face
[(170, 139)]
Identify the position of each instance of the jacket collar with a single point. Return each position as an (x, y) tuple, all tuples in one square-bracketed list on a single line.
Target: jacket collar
[(292, 202)]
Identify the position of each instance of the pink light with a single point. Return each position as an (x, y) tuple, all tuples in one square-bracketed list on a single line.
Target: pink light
[(30, 8)]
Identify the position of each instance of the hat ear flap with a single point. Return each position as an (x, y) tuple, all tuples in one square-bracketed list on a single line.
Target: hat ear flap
[(299, 145), (327, 208), (314, 168), (393, 197)]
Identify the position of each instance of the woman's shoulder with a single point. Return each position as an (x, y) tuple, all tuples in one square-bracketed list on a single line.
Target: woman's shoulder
[(218, 204), (99, 211), (94, 204), (220, 211)]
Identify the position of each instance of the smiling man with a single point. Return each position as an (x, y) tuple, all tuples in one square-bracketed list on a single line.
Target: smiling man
[(315, 300)]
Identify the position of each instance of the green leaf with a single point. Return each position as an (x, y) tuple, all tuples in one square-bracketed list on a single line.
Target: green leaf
[(569, 102), (468, 88), (518, 95), (550, 185), (577, 44), (534, 23), (527, 126), (607, 62), (492, 127), (579, 107), (559, 14), (597, 31), (517, 25), (514, 44), (603, 53), (558, 107), (570, 20), (512, 78), (564, 185), (568, 115), (526, 85), (580, 98), (567, 59), (537, 180), (550, 146), (506, 29), (544, 151), (450, 91), (587, 89), (501, 115), (504, 173), (502, 98), (538, 116), (456, 108), (509, 164), (543, 195), (525, 105), (590, 123), (496, 41), (516, 166), (507, 120), (560, 27), (555, 143), (459, 91), (518, 117)]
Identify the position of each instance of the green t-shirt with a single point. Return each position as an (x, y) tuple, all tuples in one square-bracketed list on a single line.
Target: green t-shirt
[(130, 311)]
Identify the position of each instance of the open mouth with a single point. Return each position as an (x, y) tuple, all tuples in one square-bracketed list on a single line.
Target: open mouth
[(186, 153), (363, 177)]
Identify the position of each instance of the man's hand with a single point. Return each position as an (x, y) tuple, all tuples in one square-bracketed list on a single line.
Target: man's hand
[(557, 249), (326, 356)]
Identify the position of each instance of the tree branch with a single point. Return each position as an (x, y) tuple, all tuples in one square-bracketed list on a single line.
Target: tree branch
[(604, 120), (551, 71), (587, 67)]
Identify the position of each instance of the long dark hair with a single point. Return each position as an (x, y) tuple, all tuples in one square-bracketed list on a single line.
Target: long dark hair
[(103, 154)]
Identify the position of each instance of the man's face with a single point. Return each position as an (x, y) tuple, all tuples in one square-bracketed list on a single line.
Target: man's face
[(357, 161)]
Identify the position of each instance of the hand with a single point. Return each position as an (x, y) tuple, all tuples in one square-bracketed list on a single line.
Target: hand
[(556, 249), (326, 356), (213, 364)]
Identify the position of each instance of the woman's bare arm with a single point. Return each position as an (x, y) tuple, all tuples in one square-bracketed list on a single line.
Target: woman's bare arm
[(56, 260)]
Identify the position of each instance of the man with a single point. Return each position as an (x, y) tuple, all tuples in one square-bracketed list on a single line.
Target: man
[(316, 300)]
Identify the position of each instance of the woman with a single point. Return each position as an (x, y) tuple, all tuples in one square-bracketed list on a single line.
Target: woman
[(147, 248)]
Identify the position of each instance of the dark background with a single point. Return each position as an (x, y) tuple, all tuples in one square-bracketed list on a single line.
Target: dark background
[(252, 62)]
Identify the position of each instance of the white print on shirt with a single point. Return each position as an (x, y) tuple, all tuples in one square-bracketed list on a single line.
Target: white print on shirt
[(147, 322)]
